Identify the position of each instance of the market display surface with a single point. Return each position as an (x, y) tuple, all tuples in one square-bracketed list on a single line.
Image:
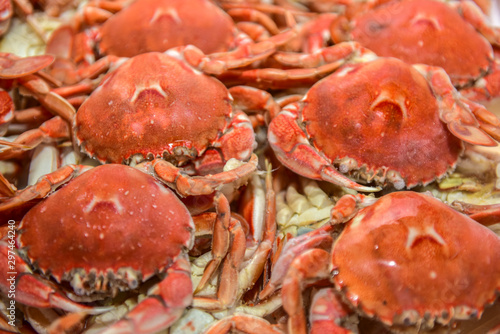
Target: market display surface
[(247, 166)]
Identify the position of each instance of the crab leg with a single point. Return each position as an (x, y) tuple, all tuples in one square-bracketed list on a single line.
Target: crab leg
[(44, 186), (487, 87), (456, 110), (220, 241), (338, 53), (310, 265), (6, 112), (484, 214), (242, 56), (239, 281), (294, 150), (319, 239), (6, 188), (28, 289), (165, 303), (326, 310), (228, 282), (12, 67), (54, 129), (472, 14), (245, 323), (253, 30), (252, 99), (254, 268), (275, 78), (345, 208), (252, 15), (197, 185), (22, 69)]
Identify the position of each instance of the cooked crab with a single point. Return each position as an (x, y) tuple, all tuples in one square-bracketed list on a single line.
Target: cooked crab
[(404, 259), (380, 120), (127, 29), (110, 229), (452, 35)]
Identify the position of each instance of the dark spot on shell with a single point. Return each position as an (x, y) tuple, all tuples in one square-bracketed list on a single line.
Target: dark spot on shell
[(445, 315)]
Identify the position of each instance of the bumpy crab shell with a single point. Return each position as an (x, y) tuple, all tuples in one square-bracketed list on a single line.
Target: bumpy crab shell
[(153, 104), (110, 228), (410, 258), (424, 32), (153, 25), (383, 115)]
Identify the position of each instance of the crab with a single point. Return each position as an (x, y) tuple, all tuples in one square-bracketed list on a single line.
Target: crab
[(150, 113), (110, 229), (403, 259), (156, 26), (380, 120), (451, 35)]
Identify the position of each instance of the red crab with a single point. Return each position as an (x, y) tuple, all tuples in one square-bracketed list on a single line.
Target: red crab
[(380, 120), (110, 229), (407, 259), (150, 113), (453, 35), (159, 25)]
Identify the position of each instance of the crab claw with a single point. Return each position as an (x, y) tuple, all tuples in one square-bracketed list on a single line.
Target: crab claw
[(467, 120), (488, 122), (12, 66), (326, 310), (294, 150)]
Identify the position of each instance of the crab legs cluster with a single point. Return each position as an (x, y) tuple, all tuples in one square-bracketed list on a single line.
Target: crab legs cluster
[(189, 136)]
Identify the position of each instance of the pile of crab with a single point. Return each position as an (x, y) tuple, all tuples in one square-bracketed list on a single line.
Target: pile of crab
[(174, 166)]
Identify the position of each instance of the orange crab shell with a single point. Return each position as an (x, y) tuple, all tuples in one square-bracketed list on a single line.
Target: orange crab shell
[(105, 222), (384, 115), (410, 256), (424, 31), (158, 25), (151, 105)]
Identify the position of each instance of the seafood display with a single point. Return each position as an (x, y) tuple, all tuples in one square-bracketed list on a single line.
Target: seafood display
[(248, 166)]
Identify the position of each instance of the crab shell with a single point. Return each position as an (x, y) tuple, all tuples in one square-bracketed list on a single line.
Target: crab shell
[(424, 31), (158, 25), (383, 115), (155, 105), (410, 257), (110, 228)]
